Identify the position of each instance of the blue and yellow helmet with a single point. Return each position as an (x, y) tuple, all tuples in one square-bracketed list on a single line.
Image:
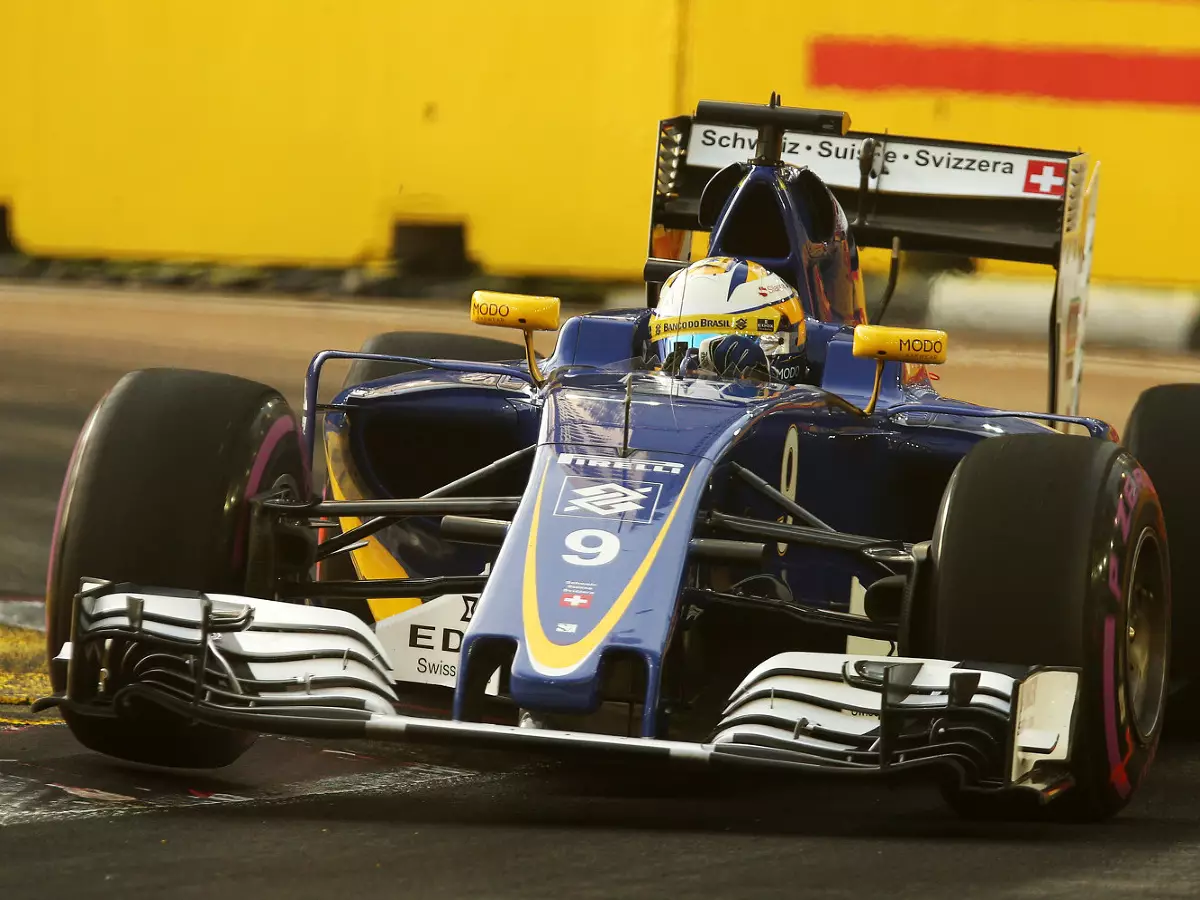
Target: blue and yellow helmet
[(726, 295)]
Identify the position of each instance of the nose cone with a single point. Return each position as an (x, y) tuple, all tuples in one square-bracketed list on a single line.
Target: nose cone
[(595, 557)]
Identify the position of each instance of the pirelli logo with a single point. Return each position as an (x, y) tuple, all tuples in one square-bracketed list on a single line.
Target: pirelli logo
[(620, 464)]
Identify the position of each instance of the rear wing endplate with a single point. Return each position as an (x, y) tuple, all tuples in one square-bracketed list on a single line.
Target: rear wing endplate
[(979, 200)]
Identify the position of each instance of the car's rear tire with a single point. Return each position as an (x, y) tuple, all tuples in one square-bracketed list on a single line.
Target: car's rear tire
[(429, 345), (156, 494), (1164, 434), (1051, 550), (426, 344)]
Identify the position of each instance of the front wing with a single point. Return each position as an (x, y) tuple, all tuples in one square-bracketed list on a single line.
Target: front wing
[(284, 668)]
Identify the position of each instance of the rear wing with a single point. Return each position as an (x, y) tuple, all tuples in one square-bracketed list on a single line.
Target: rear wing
[(979, 200)]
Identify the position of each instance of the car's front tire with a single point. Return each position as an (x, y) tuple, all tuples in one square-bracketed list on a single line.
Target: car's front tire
[(156, 493), (1051, 550)]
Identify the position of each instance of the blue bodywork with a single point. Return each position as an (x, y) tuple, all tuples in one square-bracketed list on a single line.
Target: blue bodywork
[(597, 554)]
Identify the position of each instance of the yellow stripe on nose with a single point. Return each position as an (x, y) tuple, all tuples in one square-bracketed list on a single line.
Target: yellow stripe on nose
[(372, 561), (556, 658)]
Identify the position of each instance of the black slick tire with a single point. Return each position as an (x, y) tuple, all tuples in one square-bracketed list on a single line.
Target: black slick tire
[(156, 494), (426, 344), (1163, 433), (1050, 550)]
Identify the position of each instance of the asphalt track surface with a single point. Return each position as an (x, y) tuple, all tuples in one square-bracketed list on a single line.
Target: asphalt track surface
[(308, 819)]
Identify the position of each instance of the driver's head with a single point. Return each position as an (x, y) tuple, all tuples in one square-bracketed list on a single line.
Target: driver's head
[(723, 304)]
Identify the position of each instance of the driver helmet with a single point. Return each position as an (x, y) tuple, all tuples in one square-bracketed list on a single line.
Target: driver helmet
[(721, 296)]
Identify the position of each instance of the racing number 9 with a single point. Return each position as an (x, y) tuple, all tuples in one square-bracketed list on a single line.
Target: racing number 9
[(787, 474), (592, 547)]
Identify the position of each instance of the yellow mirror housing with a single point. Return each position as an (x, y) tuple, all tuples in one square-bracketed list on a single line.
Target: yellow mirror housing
[(515, 311), (911, 345)]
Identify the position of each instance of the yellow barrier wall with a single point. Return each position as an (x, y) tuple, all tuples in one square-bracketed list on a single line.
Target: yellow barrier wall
[(1146, 186), (15, 134), (298, 131)]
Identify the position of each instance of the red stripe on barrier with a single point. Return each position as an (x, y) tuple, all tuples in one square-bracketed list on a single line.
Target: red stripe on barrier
[(1064, 74)]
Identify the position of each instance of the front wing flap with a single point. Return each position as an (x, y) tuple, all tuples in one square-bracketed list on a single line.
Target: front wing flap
[(284, 668)]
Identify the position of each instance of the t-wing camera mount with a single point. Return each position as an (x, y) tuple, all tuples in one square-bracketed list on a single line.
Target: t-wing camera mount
[(772, 121)]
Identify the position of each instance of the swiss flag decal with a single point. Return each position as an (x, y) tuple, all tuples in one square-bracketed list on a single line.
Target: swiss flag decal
[(1046, 177)]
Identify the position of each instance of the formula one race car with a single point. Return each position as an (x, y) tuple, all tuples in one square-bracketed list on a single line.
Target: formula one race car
[(737, 528)]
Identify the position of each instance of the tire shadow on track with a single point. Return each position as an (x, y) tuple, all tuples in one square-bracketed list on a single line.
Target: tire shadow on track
[(564, 797), (558, 830), (483, 824), (46, 776)]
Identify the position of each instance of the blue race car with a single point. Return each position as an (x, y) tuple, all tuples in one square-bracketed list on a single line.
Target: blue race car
[(737, 528)]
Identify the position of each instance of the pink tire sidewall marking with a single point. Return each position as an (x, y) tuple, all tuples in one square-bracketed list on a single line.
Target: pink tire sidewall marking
[(1117, 774), (64, 501), (270, 442), (281, 428)]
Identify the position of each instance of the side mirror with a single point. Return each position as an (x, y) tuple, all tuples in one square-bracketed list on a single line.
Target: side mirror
[(515, 311), (883, 343), (522, 311), (911, 345)]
